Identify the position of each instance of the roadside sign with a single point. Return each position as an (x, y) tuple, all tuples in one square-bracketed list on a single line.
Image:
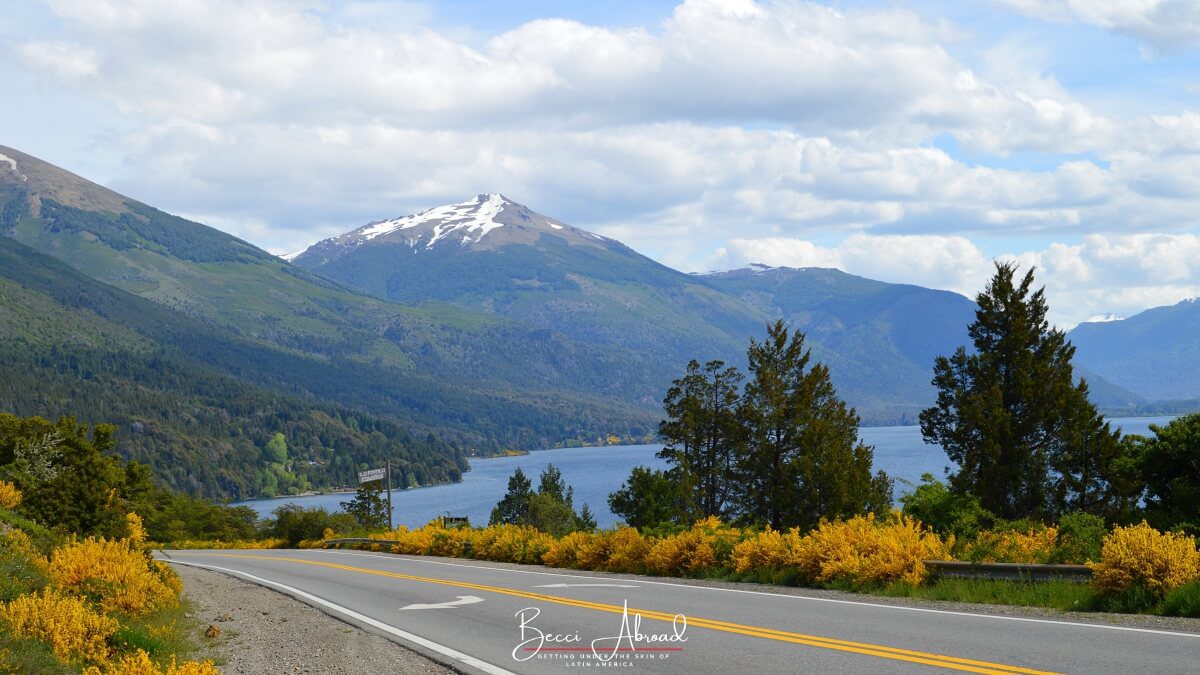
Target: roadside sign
[(371, 475)]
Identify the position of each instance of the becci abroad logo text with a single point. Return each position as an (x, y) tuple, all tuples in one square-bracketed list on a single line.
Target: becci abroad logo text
[(630, 642)]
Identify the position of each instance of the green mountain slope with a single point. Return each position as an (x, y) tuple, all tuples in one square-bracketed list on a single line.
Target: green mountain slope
[(72, 346), (479, 380), (492, 255), (1155, 354)]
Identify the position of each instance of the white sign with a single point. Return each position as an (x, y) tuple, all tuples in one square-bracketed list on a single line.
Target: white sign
[(370, 475)]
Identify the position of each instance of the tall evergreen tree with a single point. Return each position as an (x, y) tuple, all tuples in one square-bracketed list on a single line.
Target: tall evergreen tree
[(648, 497), (513, 507), (702, 436), (368, 507), (1026, 440), (802, 460)]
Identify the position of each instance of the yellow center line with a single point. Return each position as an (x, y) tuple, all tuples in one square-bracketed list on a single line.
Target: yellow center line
[(881, 651)]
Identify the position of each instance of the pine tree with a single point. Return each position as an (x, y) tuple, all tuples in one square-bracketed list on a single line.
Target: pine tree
[(368, 507), (514, 506), (702, 435), (802, 459), (1026, 440), (647, 498)]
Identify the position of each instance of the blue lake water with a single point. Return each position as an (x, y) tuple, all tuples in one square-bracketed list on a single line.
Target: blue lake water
[(596, 472)]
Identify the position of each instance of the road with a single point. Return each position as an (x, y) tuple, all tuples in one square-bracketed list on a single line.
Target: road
[(484, 617)]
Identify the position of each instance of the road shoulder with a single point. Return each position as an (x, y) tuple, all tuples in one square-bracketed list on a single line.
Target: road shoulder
[(262, 631)]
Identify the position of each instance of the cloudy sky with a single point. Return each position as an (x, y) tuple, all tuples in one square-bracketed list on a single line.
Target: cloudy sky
[(905, 141)]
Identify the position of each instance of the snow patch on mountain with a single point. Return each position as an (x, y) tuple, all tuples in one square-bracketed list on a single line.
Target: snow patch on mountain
[(13, 163), (1105, 318), (474, 217)]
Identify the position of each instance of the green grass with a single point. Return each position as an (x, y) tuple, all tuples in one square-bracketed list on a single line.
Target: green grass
[(1183, 601), (1063, 595), (162, 634), (19, 655)]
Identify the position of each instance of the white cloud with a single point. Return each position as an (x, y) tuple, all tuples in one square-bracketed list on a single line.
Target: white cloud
[(751, 127), (1105, 273), (1165, 24), (60, 58)]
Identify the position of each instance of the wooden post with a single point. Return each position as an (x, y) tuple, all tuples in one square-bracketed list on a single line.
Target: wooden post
[(389, 494)]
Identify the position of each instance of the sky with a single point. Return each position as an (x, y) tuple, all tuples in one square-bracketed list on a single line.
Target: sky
[(911, 142)]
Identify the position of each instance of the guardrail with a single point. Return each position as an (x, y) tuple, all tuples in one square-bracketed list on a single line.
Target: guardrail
[(1010, 571), (356, 541)]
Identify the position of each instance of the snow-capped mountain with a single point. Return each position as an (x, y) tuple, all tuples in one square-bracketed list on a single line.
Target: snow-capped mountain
[(1105, 318), (1155, 353), (487, 221)]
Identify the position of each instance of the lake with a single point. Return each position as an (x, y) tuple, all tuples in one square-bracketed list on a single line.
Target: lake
[(595, 472)]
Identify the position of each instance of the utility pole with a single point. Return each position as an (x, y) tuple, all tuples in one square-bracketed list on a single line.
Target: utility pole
[(389, 494)]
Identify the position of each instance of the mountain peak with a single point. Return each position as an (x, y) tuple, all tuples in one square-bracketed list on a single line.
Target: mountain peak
[(474, 218), (486, 221)]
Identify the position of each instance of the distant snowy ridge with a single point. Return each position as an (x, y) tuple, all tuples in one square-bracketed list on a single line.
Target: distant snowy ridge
[(474, 217), (1105, 318)]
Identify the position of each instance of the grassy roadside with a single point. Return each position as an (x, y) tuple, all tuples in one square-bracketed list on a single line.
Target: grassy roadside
[(100, 607)]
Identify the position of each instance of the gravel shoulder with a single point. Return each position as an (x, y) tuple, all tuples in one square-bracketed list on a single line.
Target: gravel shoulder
[(262, 631)]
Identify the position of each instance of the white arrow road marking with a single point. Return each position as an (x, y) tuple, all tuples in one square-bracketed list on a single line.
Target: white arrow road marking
[(582, 585), (462, 600)]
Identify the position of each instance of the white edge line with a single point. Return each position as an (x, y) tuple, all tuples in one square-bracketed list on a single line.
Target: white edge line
[(1080, 624), (403, 635)]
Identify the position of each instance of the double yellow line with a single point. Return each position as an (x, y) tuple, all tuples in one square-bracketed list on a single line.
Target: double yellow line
[(894, 653)]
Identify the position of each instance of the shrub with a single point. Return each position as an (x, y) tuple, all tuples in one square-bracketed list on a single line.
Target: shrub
[(707, 545), (766, 550), (1183, 601), (1139, 556), (1020, 542), (115, 576), (565, 552), (512, 543), (627, 551), (72, 629), (22, 566), (865, 551), (137, 533), (1080, 537), (943, 511), (139, 663), (10, 496), (684, 553)]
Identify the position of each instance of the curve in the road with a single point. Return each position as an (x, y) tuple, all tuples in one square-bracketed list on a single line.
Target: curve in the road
[(881, 651)]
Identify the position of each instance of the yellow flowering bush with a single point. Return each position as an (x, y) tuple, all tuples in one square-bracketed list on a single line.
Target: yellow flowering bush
[(187, 544), (10, 496), (140, 664), (17, 542), (1035, 545), (72, 629), (863, 550), (137, 532), (768, 549), (511, 543), (627, 550), (1139, 555), (565, 552), (118, 577)]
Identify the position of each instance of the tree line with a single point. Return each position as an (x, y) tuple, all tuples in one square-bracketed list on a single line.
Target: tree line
[(1024, 439), (782, 450)]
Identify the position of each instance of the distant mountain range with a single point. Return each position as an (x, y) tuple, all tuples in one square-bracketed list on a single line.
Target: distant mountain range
[(1155, 354), (465, 329), (498, 258)]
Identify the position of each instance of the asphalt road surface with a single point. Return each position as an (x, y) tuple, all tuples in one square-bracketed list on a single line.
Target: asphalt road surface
[(480, 617)]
